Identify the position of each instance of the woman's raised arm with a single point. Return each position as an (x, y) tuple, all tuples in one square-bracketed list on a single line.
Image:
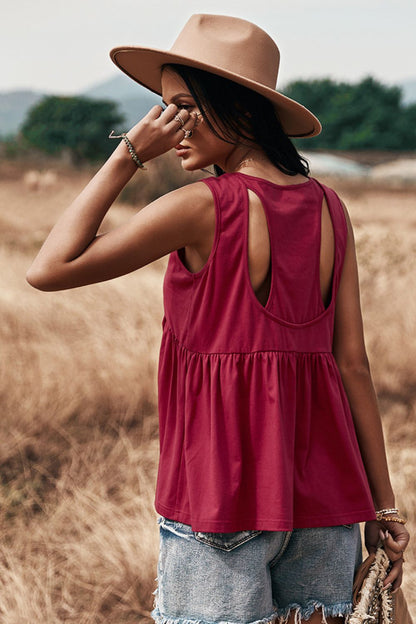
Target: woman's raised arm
[(73, 255)]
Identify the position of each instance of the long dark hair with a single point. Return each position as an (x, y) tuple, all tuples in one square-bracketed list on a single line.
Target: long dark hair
[(234, 113)]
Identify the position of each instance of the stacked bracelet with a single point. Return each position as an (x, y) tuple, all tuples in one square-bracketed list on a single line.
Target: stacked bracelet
[(130, 147), (390, 515), (387, 512)]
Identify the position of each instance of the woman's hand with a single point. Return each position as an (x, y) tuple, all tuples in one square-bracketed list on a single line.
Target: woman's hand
[(395, 538), (160, 130)]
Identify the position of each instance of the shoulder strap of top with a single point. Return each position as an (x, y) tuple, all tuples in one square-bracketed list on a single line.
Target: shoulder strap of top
[(227, 194), (222, 187), (339, 222)]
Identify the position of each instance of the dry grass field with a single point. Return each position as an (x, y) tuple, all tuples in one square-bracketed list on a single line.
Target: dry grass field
[(78, 445)]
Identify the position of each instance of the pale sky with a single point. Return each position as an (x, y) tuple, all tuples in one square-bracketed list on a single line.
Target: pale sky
[(62, 46)]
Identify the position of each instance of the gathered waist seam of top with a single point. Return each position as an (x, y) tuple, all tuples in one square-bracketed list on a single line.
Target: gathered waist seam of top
[(252, 352)]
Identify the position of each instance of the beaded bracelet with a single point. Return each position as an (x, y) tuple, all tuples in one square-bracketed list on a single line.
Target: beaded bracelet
[(390, 515), (398, 519), (388, 511), (130, 147)]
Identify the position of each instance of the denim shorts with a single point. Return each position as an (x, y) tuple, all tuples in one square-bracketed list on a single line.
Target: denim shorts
[(254, 577)]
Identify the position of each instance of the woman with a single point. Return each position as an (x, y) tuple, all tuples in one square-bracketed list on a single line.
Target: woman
[(272, 449)]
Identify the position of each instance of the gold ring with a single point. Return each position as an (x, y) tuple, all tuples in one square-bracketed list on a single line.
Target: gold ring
[(179, 118)]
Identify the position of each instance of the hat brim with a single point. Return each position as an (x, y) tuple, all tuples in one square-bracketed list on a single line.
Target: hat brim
[(144, 65)]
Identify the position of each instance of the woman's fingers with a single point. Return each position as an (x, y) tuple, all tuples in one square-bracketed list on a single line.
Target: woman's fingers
[(171, 112), (181, 120), (394, 549), (164, 119), (181, 123), (395, 575), (187, 129), (398, 581), (155, 112), (395, 538), (160, 130), (173, 119)]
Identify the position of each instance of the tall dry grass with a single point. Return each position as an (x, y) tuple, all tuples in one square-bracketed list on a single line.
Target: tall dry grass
[(78, 448)]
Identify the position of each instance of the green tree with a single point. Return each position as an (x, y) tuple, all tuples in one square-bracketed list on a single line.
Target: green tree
[(365, 115), (77, 125), (407, 125)]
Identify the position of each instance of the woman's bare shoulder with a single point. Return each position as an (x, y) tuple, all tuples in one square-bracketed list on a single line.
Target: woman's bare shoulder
[(194, 191)]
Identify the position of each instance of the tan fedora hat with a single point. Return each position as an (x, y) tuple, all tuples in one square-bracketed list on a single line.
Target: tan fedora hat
[(226, 46)]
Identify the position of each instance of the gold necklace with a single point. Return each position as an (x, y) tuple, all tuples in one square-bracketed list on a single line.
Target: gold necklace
[(245, 162)]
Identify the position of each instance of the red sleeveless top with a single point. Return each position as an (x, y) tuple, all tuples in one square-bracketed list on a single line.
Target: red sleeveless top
[(255, 426)]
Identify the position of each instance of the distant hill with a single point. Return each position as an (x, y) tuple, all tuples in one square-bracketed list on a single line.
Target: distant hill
[(133, 99), (13, 108), (119, 87)]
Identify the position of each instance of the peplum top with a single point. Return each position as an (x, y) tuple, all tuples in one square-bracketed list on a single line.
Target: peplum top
[(256, 431)]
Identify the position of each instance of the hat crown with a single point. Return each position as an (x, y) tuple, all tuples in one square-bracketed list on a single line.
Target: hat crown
[(226, 46), (232, 44)]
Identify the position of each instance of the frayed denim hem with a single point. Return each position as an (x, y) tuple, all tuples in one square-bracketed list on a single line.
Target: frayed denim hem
[(340, 609), (280, 616), (161, 619)]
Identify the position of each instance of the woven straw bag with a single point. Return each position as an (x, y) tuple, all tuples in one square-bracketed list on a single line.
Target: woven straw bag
[(372, 605)]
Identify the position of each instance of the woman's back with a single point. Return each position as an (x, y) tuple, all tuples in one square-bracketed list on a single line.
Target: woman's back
[(259, 263), (253, 414)]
